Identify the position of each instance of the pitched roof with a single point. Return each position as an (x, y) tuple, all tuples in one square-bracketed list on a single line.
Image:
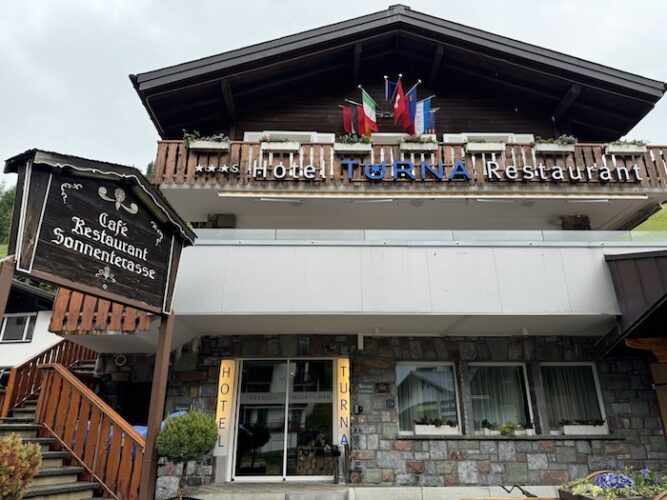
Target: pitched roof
[(490, 54)]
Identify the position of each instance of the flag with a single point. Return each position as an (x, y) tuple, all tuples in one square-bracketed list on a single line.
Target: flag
[(370, 120), (353, 120), (431, 121), (422, 116), (401, 111), (411, 98), (389, 89)]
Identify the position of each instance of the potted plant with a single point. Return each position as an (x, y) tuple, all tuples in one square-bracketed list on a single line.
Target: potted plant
[(482, 146), (490, 428), (507, 429), (352, 144), (583, 427), (419, 143), (185, 438), (435, 426), (563, 144), (194, 141), (18, 465), (530, 428), (612, 485), (275, 144), (635, 147), (520, 430)]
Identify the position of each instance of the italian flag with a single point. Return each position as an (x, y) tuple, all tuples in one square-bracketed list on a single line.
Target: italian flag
[(369, 113)]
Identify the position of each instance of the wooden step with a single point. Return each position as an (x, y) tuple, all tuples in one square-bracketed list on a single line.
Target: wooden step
[(74, 491), (23, 430), (47, 476), (54, 458)]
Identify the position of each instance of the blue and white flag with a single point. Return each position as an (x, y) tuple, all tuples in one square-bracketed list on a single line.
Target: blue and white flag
[(389, 89), (422, 119)]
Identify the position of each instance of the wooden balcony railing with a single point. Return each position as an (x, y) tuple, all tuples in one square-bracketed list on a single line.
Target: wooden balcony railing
[(26, 379), (246, 166), (103, 443)]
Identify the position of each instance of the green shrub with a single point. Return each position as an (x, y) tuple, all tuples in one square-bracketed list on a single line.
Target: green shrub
[(18, 464), (187, 438)]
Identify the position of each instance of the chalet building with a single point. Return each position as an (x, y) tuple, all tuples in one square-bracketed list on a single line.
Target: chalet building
[(445, 274), (405, 297)]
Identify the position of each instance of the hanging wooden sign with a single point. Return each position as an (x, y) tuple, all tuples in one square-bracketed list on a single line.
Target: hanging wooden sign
[(96, 228)]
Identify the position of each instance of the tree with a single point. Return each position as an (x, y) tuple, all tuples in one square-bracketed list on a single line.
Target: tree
[(150, 172), (6, 209), (186, 438)]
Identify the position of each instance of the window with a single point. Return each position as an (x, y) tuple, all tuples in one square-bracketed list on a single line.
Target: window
[(499, 394), (572, 392), (425, 391), (17, 328)]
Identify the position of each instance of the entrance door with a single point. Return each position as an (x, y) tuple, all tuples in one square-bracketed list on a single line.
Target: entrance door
[(285, 419)]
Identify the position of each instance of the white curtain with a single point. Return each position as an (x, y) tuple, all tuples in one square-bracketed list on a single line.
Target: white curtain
[(570, 393), (498, 394), (425, 392)]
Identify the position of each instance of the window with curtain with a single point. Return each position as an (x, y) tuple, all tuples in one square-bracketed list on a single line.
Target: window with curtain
[(570, 393), (17, 328), (499, 394), (425, 391)]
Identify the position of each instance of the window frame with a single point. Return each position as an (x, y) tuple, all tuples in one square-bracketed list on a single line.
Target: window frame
[(456, 391), (596, 382), (526, 384), (30, 323)]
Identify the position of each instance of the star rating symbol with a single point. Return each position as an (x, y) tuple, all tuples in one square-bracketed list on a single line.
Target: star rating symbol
[(376, 169), (224, 169), (199, 169), (211, 169)]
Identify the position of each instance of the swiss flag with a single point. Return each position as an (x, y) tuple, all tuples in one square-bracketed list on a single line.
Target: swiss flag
[(401, 111)]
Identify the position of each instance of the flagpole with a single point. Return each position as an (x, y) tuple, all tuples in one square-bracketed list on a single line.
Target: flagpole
[(353, 102), (414, 86)]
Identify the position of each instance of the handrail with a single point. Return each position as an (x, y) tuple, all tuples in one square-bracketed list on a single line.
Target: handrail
[(108, 447), (25, 379)]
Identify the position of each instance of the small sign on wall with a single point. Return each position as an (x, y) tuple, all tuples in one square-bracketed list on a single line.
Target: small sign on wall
[(224, 413), (342, 402)]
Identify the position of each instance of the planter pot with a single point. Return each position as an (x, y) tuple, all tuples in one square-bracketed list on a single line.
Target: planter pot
[(280, 147), (624, 149), (419, 146), (556, 432), (432, 430), (354, 148), (584, 430), (520, 432), (554, 148), (567, 495), (208, 146), (491, 432), (485, 147), (530, 432)]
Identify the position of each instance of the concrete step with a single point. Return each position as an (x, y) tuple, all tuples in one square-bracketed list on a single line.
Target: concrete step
[(44, 443), (23, 430), (24, 412), (47, 476), (52, 459), (17, 420), (75, 491)]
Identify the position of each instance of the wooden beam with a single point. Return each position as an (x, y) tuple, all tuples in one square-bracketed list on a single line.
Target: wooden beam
[(7, 267), (229, 98), (356, 64), (567, 101), (435, 65), (657, 346)]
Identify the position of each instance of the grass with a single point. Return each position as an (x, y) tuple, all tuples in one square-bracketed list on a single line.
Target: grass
[(3, 250), (657, 222)]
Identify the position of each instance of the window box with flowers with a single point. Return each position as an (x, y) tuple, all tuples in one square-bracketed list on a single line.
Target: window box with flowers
[(196, 142), (353, 144), (559, 145), (583, 427), (625, 148), (419, 143), (435, 427)]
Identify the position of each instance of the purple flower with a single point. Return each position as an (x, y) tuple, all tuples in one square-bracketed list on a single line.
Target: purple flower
[(645, 472), (614, 480)]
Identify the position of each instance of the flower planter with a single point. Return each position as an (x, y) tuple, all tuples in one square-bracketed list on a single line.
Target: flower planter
[(491, 432), (485, 147), (568, 495), (208, 146), (520, 432), (280, 147), (353, 148), (556, 432), (624, 149), (530, 432), (419, 146), (584, 430), (432, 430), (553, 148)]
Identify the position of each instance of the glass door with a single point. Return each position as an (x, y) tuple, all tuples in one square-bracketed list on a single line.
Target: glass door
[(285, 419)]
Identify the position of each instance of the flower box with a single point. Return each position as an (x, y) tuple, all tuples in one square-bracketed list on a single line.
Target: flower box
[(520, 432), (485, 147), (584, 430), (432, 430), (208, 146), (491, 432), (556, 432), (280, 147), (352, 148), (419, 146), (530, 432), (547, 147), (624, 149)]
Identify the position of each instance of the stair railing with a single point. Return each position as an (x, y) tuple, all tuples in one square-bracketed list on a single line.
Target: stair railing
[(108, 447), (26, 379)]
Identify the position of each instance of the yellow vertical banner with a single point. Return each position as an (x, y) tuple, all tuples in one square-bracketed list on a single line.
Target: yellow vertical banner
[(342, 401), (224, 413)]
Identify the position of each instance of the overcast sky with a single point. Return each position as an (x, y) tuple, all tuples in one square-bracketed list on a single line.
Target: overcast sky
[(64, 64)]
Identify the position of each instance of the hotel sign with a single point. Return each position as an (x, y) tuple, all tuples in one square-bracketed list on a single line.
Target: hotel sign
[(224, 410), (94, 234), (342, 425)]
